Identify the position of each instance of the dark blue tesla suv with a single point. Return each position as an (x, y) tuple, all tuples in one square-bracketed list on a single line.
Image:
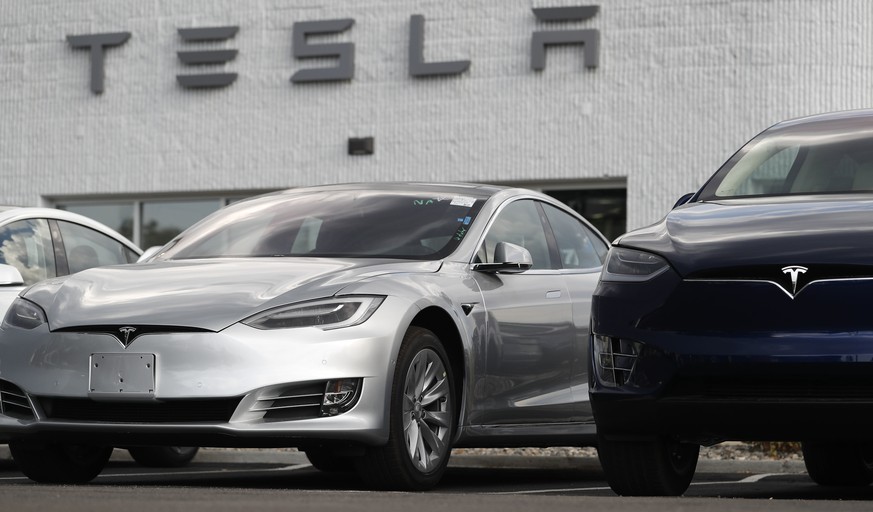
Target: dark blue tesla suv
[(745, 314)]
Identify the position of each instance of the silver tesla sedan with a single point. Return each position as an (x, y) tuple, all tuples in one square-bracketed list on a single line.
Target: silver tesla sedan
[(374, 326)]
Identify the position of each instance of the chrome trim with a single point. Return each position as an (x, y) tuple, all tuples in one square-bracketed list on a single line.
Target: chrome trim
[(774, 283)]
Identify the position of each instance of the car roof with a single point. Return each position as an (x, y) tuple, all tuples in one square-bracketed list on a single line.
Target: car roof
[(829, 116), (14, 213), (431, 187)]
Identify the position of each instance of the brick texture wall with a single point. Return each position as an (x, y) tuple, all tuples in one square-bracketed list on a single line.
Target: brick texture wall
[(680, 85)]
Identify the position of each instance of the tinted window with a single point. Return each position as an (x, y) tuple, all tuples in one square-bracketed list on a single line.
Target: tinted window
[(335, 223), (605, 209), (518, 223), (86, 248), (821, 157), (118, 216), (577, 245), (27, 246)]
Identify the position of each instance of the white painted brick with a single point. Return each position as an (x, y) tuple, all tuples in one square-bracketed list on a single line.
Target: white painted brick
[(681, 84)]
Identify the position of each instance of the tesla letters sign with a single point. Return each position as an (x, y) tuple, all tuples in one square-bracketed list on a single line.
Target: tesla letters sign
[(343, 53)]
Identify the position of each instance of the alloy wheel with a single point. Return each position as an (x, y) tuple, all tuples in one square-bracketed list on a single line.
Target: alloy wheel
[(426, 410)]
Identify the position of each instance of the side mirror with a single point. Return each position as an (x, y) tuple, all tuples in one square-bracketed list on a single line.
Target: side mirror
[(147, 255), (684, 199), (10, 276), (508, 259)]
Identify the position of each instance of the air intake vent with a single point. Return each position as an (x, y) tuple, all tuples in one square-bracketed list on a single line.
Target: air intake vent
[(174, 411), (13, 402), (296, 402), (616, 359)]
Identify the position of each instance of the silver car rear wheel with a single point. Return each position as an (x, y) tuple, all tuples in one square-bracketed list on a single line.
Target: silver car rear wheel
[(422, 418)]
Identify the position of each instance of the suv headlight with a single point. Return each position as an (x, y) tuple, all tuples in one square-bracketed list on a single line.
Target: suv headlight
[(24, 315), (624, 264), (332, 313)]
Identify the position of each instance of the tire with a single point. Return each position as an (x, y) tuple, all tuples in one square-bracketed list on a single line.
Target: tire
[(661, 467), (163, 456), (55, 463), (422, 419), (324, 459), (843, 464)]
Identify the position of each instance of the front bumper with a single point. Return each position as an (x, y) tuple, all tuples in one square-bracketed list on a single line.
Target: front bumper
[(707, 384), (709, 397), (238, 387)]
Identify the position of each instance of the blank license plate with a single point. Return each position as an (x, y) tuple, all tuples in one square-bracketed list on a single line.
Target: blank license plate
[(122, 376)]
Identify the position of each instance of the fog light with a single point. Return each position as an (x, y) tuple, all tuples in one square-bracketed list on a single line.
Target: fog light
[(616, 359), (340, 396)]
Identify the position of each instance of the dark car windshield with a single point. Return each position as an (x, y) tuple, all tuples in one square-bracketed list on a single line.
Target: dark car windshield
[(823, 157), (334, 223)]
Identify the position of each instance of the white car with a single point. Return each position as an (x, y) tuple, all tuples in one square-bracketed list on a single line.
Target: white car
[(42, 243)]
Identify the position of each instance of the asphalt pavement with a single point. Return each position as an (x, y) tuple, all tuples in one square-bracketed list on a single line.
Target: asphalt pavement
[(292, 457)]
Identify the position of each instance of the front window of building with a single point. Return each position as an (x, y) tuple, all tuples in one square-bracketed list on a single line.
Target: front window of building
[(148, 222)]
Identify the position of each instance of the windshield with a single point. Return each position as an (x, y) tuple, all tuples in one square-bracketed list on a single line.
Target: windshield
[(334, 223), (824, 157)]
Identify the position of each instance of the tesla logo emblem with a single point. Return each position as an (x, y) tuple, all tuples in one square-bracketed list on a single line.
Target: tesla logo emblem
[(794, 271), (126, 332)]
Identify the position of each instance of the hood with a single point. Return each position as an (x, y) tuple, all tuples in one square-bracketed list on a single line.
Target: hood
[(201, 294), (744, 233)]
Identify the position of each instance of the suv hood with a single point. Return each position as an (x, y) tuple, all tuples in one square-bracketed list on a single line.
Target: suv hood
[(201, 294), (700, 237)]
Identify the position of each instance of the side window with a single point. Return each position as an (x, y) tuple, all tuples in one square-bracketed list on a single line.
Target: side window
[(577, 245), (519, 223), (27, 246), (86, 248)]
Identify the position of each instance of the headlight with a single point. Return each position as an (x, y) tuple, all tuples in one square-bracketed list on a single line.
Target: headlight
[(631, 265), (24, 315), (326, 314)]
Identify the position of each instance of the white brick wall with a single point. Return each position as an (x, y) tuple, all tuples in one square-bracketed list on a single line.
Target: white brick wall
[(681, 84)]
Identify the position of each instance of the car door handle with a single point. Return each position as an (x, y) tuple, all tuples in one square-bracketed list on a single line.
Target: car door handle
[(553, 294)]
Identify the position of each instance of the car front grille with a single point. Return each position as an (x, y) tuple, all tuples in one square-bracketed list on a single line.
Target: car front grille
[(730, 307), (13, 402), (170, 411), (293, 402)]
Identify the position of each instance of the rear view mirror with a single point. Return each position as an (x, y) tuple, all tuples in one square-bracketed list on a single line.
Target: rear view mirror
[(10, 276), (684, 199), (151, 251), (508, 259)]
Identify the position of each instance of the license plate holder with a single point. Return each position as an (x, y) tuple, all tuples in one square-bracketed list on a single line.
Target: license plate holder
[(121, 376)]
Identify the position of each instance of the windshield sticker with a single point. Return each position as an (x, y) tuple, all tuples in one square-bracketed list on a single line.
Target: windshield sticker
[(422, 202), (463, 201), (459, 234)]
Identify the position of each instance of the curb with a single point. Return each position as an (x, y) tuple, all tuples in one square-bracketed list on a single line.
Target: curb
[(292, 457), (592, 464)]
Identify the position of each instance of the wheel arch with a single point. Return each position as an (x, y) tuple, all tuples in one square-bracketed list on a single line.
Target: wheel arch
[(441, 323)]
